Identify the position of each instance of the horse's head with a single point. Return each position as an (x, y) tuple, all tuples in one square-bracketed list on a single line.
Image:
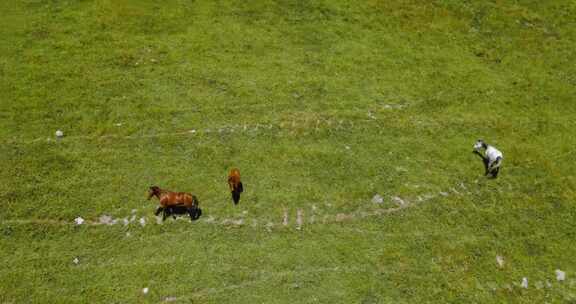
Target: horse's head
[(479, 145), (154, 191)]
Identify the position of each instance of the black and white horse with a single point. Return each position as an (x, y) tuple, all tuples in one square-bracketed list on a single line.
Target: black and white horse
[(492, 157)]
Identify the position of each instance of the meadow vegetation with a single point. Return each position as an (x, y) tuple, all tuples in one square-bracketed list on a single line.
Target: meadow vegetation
[(322, 105)]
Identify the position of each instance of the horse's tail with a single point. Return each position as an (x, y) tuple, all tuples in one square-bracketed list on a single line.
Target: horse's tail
[(196, 207), (195, 202)]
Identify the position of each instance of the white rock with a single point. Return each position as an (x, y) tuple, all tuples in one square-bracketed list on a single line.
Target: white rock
[(238, 222), (145, 290), (59, 133), (500, 261), (560, 275), (399, 200), (76, 261), (79, 221), (142, 221), (524, 283), (106, 219), (377, 199)]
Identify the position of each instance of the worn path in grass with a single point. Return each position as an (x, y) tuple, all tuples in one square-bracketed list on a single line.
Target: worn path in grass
[(327, 108)]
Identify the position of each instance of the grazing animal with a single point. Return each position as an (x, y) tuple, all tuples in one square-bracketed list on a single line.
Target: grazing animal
[(175, 203), (492, 158), (235, 185)]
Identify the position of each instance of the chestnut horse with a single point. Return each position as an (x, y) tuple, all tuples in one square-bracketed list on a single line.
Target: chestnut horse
[(235, 185), (175, 203)]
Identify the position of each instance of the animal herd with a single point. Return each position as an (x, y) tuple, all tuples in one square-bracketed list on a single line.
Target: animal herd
[(182, 203)]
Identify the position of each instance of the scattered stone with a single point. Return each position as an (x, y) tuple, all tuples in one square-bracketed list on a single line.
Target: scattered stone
[(443, 193), (347, 147), (299, 215), (105, 219), (560, 275), (398, 200), (76, 261), (79, 221), (500, 261), (524, 283), (377, 199), (142, 222), (145, 290), (226, 221), (170, 299), (393, 106), (238, 222), (132, 218), (192, 131), (285, 218), (134, 211), (118, 124), (125, 221), (59, 134)]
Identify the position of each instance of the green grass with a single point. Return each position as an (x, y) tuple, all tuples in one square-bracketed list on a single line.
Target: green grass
[(322, 105)]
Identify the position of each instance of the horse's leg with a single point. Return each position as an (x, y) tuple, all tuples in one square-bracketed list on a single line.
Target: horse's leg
[(486, 166), (495, 172), (164, 214), (192, 213), (158, 211)]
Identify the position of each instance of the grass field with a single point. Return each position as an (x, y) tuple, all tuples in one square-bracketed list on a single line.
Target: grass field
[(322, 105)]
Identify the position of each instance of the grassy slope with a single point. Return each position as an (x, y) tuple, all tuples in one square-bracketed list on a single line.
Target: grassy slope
[(499, 70)]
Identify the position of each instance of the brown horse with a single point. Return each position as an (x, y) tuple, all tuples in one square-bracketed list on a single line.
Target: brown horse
[(235, 185), (175, 203)]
